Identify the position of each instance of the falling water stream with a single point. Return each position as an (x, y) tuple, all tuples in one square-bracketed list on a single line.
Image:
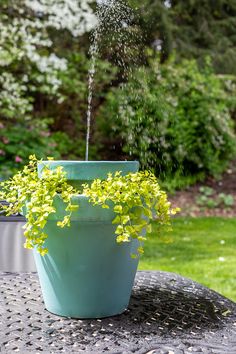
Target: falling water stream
[(116, 16), (92, 71)]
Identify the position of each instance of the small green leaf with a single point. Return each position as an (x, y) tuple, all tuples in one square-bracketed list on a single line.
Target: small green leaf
[(118, 209), (116, 220), (149, 228)]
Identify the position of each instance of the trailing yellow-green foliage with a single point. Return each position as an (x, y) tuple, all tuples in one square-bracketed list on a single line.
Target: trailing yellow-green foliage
[(34, 195), (136, 199)]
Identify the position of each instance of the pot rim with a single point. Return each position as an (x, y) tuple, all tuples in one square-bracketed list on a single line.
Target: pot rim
[(87, 162)]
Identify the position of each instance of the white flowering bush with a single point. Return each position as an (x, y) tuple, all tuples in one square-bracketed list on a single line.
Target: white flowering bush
[(73, 15), (30, 67), (27, 41)]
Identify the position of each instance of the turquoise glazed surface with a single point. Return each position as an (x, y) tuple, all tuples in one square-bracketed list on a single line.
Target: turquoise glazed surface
[(79, 172), (86, 273)]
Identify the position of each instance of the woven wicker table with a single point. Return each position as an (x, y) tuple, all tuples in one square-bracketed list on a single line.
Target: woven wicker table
[(167, 314)]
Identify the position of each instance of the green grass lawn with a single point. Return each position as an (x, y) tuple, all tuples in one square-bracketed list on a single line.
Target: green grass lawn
[(203, 249)]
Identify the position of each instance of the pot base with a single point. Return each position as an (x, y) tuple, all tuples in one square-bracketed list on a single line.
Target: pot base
[(94, 317)]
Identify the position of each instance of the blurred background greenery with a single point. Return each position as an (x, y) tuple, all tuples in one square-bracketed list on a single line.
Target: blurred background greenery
[(175, 113)]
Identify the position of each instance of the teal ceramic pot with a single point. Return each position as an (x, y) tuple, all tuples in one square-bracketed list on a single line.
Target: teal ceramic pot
[(86, 273)]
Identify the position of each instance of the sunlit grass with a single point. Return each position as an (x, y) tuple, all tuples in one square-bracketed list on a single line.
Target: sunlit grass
[(203, 249)]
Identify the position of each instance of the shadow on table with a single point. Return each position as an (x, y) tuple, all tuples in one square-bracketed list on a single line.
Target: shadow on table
[(165, 311)]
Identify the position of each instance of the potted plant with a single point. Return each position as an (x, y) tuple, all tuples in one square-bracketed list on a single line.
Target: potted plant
[(86, 222)]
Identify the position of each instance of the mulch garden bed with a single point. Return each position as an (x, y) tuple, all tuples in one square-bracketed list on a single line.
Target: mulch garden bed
[(188, 199)]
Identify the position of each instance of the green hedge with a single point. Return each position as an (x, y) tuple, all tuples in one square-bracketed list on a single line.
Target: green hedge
[(174, 118)]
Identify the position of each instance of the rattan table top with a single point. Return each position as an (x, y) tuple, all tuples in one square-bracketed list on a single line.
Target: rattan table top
[(168, 314)]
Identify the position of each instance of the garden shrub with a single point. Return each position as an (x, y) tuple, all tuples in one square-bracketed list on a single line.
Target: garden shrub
[(32, 65), (174, 118), (19, 140)]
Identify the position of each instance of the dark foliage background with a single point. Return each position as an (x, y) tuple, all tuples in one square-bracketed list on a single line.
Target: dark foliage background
[(173, 106)]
